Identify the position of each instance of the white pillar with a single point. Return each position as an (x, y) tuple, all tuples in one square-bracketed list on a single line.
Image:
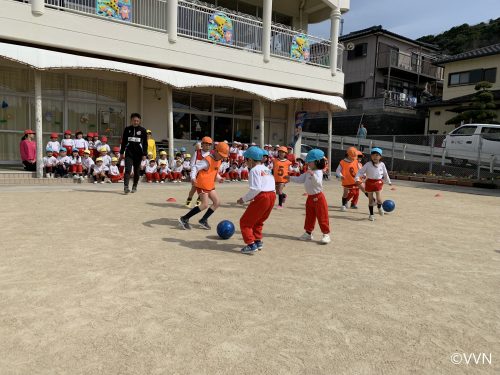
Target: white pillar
[(38, 124), (334, 36), (37, 7), (170, 124), (141, 96), (330, 129), (261, 123), (172, 9), (266, 29)]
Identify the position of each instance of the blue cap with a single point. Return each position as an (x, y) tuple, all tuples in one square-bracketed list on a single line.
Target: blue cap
[(63, 149), (183, 149), (265, 153), (49, 149), (254, 153), (376, 150), (315, 154)]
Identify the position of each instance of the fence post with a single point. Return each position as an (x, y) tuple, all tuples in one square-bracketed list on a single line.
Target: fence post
[(341, 143), (371, 145), (443, 157), (317, 139), (432, 153), (480, 145), (404, 152), (393, 150), (492, 163)]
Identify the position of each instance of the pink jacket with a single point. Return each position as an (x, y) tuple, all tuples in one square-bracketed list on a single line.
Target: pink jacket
[(28, 150)]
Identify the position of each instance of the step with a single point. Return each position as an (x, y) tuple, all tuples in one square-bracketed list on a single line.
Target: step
[(41, 181)]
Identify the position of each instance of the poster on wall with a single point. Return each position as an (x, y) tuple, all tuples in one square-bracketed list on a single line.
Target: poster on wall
[(300, 118), (220, 28), (115, 9), (300, 48)]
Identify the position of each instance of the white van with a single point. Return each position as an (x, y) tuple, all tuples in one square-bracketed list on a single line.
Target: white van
[(462, 144)]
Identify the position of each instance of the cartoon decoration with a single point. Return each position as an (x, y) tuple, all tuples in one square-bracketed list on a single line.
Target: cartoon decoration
[(220, 28), (300, 48), (116, 9)]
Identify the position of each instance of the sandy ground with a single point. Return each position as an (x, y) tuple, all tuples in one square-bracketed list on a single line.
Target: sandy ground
[(95, 282)]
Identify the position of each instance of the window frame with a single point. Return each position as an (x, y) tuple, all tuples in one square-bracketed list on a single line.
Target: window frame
[(470, 73)]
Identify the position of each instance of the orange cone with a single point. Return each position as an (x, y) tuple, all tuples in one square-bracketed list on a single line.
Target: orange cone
[(393, 189), (171, 200), (437, 195)]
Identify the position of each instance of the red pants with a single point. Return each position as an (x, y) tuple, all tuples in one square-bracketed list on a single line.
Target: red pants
[(244, 175), (121, 168), (91, 153), (252, 221), (48, 169), (152, 177), (165, 176), (69, 150), (176, 175), (353, 194), (317, 208), (373, 185), (76, 168), (80, 151), (233, 157), (115, 178), (233, 175)]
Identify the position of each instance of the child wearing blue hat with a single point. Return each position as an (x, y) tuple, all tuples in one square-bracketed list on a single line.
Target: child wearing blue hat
[(49, 163), (376, 173), (262, 196), (316, 205)]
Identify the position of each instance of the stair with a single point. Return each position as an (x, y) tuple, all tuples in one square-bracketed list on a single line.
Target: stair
[(12, 177)]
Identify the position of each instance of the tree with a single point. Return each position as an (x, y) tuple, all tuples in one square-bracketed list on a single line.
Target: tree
[(479, 110)]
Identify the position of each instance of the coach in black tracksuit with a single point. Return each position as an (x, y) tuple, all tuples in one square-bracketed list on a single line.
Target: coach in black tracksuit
[(134, 147)]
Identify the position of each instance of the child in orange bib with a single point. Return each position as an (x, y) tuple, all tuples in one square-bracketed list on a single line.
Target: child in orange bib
[(347, 170), (203, 176), (281, 166)]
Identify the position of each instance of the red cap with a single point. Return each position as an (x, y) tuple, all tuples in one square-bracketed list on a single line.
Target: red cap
[(104, 138), (90, 134), (96, 134), (54, 135), (116, 149), (28, 131), (67, 132)]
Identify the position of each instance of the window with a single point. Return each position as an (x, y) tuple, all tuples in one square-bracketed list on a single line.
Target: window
[(243, 107), (360, 50), (223, 104), (472, 77), (180, 99), (354, 90), (112, 91), (82, 88), (491, 134), (201, 102), (465, 130)]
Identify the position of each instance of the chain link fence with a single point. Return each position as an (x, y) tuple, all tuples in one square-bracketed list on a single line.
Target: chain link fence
[(474, 158)]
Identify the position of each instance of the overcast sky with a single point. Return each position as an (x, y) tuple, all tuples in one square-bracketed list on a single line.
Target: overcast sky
[(412, 19)]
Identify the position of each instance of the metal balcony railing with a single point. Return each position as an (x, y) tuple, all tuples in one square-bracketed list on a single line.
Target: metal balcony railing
[(409, 62), (193, 20)]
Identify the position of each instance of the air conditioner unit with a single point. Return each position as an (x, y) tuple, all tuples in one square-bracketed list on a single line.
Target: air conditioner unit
[(349, 46)]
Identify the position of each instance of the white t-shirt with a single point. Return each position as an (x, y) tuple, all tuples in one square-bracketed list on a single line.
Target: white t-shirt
[(54, 145), (49, 161), (98, 169), (87, 162), (81, 143), (151, 169), (67, 142), (260, 179), (373, 172), (313, 181)]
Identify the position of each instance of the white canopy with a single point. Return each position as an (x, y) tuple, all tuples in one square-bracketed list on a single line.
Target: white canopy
[(43, 59)]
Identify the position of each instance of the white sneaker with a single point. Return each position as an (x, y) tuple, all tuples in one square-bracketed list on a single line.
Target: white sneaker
[(381, 211), (102, 182), (325, 239), (306, 237), (371, 218), (162, 182), (95, 182), (343, 208)]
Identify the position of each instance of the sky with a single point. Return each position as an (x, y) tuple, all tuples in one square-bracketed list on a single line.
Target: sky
[(412, 18)]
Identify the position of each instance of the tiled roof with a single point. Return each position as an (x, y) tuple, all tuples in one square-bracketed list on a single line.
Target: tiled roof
[(494, 49), (438, 102)]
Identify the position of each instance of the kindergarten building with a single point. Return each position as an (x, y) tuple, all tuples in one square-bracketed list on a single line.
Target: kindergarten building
[(231, 69)]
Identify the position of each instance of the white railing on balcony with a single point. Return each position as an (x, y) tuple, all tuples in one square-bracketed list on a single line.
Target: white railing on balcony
[(193, 19)]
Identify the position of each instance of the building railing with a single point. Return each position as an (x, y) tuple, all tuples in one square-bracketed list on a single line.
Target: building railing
[(193, 20), (411, 63), (399, 99)]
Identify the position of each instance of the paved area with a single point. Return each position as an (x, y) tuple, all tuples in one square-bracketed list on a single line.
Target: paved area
[(95, 282)]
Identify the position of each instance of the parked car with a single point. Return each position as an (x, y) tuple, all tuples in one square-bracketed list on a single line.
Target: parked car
[(462, 144), (304, 149)]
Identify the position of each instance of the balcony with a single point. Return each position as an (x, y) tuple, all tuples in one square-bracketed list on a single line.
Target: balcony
[(193, 23), (410, 63)]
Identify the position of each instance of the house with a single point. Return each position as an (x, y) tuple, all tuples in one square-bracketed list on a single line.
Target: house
[(386, 76), (230, 69), (461, 73)]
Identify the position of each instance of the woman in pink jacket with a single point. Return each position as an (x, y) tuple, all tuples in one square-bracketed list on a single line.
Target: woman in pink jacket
[(27, 148)]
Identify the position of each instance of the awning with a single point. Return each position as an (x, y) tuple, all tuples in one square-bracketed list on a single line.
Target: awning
[(43, 59)]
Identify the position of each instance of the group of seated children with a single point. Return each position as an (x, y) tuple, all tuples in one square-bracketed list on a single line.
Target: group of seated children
[(163, 170)]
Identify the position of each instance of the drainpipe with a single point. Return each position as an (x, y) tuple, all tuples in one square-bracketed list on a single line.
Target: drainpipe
[(38, 124), (266, 29), (172, 9), (37, 7), (170, 124), (374, 81), (334, 33)]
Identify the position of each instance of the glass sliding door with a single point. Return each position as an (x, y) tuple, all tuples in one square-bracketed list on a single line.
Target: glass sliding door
[(223, 130)]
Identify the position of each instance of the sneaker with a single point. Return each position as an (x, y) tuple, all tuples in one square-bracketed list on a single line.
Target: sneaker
[(325, 239), (126, 190), (102, 182), (279, 207), (306, 237), (188, 203), (204, 224), (95, 182), (284, 198), (371, 217), (184, 223), (134, 189), (353, 206), (343, 208), (259, 244), (162, 182), (381, 211), (249, 249), (75, 176)]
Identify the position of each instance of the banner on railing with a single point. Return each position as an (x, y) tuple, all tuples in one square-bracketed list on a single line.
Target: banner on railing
[(116, 9), (220, 28), (300, 48)]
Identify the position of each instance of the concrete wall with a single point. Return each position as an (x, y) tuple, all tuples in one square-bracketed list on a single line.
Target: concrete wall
[(82, 33), (437, 118)]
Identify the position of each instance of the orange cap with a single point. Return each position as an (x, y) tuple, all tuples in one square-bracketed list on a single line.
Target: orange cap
[(352, 152), (206, 140), (222, 149), (283, 148)]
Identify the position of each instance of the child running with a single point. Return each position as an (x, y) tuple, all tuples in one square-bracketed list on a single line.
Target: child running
[(281, 167), (316, 205), (262, 196), (347, 169), (376, 173), (199, 155), (203, 176)]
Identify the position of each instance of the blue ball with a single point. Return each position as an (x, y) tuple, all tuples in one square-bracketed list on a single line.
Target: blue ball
[(225, 229), (388, 205)]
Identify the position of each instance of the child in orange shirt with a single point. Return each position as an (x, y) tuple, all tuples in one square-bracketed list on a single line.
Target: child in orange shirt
[(281, 167), (346, 170)]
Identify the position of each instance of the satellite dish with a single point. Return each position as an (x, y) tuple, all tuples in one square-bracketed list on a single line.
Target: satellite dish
[(349, 46)]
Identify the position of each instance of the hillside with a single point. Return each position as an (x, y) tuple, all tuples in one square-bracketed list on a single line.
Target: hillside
[(465, 37)]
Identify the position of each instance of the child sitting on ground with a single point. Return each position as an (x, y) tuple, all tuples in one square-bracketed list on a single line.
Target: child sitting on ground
[(114, 173), (99, 171), (152, 172), (76, 164), (49, 163), (63, 163), (164, 171), (87, 164)]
